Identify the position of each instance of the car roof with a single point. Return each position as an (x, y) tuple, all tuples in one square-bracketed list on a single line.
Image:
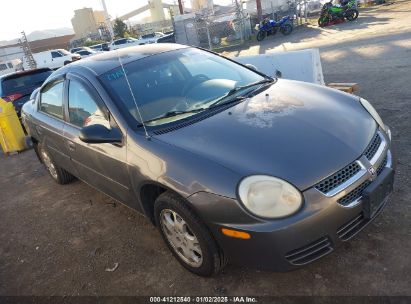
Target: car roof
[(104, 62)]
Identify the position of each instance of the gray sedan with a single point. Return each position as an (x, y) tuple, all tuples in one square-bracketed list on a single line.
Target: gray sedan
[(229, 164)]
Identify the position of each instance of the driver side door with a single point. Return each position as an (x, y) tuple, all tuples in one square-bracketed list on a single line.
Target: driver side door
[(102, 165)]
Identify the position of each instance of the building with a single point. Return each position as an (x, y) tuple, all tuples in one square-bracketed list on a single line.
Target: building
[(86, 22), (202, 5)]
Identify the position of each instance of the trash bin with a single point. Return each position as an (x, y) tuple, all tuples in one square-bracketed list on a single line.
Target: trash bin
[(12, 137)]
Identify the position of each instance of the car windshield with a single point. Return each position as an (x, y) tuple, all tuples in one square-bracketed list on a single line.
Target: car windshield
[(175, 85), (19, 83)]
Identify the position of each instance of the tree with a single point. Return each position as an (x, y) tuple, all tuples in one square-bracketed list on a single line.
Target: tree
[(120, 28)]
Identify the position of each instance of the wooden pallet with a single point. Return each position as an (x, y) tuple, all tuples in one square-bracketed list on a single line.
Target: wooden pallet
[(345, 87)]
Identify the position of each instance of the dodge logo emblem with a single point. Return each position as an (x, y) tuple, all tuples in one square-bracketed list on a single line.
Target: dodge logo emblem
[(372, 172)]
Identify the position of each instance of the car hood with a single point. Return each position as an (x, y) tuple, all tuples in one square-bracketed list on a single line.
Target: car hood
[(297, 131)]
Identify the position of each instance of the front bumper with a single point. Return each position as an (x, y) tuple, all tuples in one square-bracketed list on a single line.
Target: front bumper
[(289, 243)]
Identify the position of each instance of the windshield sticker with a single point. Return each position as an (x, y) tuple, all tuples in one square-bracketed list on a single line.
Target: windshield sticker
[(115, 75)]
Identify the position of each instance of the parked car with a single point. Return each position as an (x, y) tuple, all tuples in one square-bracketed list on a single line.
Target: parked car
[(82, 48), (10, 66), (17, 87), (151, 38), (86, 53), (230, 164), (124, 42), (52, 59), (102, 47), (169, 38)]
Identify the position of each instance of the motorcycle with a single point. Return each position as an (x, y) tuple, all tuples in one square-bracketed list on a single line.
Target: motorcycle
[(333, 14), (270, 27)]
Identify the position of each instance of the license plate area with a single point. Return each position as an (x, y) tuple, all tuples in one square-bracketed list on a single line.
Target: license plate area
[(375, 194)]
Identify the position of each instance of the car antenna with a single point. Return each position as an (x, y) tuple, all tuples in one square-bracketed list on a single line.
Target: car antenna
[(132, 95)]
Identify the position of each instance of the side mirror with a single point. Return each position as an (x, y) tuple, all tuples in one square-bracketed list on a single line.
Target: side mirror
[(98, 134)]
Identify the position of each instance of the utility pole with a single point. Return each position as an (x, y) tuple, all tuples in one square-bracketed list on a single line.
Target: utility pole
[(259, 9), (107, 19), (180, 6)]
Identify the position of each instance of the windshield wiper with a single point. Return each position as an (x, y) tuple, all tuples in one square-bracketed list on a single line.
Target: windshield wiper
[(237, 89), (173, 113)]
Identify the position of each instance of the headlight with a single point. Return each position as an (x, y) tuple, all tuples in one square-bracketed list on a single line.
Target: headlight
[(370, 109), (268, 196)]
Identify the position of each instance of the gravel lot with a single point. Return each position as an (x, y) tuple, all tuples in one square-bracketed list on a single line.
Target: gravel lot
[(58, 240)]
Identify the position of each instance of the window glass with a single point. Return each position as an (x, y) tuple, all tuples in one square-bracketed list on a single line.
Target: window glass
[(55, 54), (3, 67), (52, 99), (18, 83), (182, 82), (83, 110), (10, 65)]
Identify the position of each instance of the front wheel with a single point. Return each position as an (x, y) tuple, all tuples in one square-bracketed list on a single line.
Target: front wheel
[(351, 14), (186, 236), (261, 35), (322, 21), (286, 29)]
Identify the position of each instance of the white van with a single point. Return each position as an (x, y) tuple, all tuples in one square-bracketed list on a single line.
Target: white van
[(10, 66), (52, 59)]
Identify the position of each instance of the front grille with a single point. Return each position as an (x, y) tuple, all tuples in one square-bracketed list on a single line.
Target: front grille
[(310, 252), (373, 146), (348, 230), (338, 178), (357, 192), (354, 194)]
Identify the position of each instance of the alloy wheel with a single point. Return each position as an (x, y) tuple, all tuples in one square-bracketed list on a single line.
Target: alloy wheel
[(49, 164), (181, 237)]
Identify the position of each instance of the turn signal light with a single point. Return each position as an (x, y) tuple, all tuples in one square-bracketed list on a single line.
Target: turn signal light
[(236, 234)]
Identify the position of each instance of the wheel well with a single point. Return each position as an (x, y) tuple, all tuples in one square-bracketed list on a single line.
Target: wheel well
[(148, 195)]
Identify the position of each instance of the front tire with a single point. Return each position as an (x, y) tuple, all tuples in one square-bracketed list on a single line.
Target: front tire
[(261, 35), (58, 174), (186, 236), (286, 29)]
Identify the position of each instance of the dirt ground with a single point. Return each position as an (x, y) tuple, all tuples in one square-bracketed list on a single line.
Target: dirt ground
[(59, 240)]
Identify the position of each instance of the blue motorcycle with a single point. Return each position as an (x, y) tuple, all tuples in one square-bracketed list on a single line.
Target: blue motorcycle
[(270, 27)]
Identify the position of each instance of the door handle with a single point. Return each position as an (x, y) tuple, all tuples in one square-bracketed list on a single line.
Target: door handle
[(71, 145)]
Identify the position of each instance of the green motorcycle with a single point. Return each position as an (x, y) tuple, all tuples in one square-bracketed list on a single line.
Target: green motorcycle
[(333, 14)]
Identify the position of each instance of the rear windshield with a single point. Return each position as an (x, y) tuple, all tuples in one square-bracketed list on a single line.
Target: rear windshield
[(20, 83)]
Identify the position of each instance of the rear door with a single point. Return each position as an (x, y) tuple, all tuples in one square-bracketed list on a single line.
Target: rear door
[(50, 122), (100, 165)]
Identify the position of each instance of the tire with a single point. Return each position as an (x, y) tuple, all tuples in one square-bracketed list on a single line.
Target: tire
[(206, 259), (351, 14), (322, 22), (286, 29), (261, 35), (67, 62), (58, 174)]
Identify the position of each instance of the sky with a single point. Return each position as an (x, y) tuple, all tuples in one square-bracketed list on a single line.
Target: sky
[(29, 15)]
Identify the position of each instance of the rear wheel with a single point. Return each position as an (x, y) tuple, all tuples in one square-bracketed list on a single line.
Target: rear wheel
[(59, 175), (261, 35), (186, 236), (351, 14)]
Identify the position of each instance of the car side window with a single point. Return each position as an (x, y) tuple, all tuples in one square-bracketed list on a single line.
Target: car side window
[(83, 110), (55, 54), (51, 99)]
